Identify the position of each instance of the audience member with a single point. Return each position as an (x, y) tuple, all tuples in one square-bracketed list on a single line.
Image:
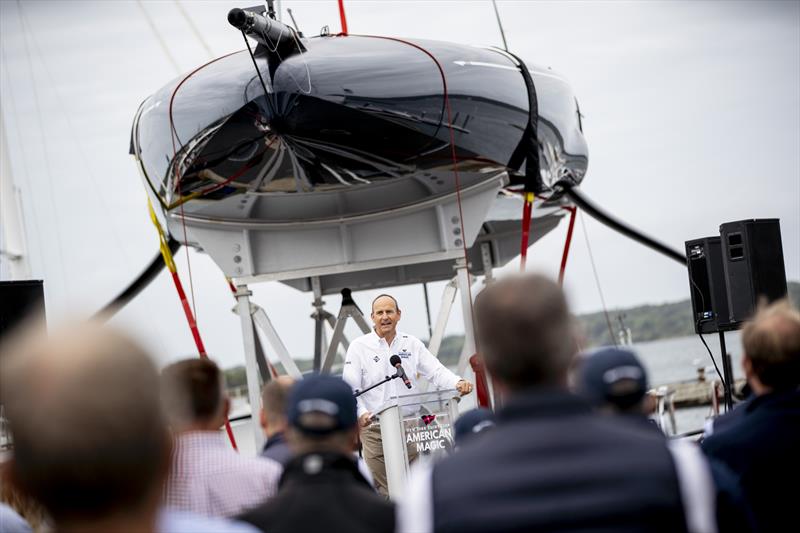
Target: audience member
[(614, 381), (90, 442), (273, 419), (472, 423), (322, 488), (761, 442), (551, 463), (12, 498), (11, 521), (207, 476)]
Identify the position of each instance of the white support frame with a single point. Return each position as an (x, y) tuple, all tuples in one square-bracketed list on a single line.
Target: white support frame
[(245, 310), (448, 297), (266, 327), (338, 337), (465, 288)]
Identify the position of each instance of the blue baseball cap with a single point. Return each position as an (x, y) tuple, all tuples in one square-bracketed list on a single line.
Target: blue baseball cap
[(612, 376), (472, 422), (321, 404)]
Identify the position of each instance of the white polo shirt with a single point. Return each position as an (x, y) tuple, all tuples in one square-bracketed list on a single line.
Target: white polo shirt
[(367, 362)]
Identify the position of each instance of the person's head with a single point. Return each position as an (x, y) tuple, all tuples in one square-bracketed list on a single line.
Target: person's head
[(771, 342), (524, 332), (90, 439), (273, 410), (322, 416), (472, 423), (613, 380), (385, 315), (193, 391)]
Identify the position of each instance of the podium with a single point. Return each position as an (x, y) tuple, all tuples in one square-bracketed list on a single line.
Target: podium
[(419, 424)]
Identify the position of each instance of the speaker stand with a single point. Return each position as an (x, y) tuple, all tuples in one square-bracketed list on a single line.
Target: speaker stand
[(727, 371)]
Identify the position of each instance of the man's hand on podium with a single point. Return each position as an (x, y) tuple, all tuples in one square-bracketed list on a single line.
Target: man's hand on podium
[(464, 387), (365, 419)]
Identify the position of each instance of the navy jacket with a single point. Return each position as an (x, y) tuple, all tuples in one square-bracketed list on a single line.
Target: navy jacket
[(323, 492), (551, 464), (277, 449), (760, 443)]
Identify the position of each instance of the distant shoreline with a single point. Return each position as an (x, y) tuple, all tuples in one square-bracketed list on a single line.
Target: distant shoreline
[(646, 322)]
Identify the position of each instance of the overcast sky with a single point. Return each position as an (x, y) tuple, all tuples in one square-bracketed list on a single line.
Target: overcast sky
[(692, 117)]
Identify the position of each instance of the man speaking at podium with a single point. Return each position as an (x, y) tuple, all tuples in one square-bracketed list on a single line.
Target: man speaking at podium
[(368, 362)]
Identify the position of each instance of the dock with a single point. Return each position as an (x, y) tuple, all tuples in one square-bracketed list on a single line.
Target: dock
[(695, 393)]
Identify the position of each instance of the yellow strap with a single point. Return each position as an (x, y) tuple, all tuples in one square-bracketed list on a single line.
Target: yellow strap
[(164, 247), (530, 197), (184, 199)]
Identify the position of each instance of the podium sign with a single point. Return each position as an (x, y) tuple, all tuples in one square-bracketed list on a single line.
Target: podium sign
[(413, 425)]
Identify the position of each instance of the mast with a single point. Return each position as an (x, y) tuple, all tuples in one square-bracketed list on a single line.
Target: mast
[(14, 262)]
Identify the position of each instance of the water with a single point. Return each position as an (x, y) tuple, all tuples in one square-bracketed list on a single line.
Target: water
[(677, 359), (671, 360)]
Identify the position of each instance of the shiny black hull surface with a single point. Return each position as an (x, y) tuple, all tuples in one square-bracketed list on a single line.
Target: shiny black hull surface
[(345, 115)]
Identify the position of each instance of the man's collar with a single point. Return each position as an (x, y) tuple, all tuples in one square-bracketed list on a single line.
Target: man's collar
[(781, 396), (543, 401), (377, 338), (311, 464), (276, 438), (204, 438)]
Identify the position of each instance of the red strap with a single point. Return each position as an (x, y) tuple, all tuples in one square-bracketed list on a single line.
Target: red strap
[(481, 384), (527, 208), (342, 17), (198, 340), (572, 211)]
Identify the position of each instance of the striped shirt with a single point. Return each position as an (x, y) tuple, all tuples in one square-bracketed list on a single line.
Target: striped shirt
[(209, 478)]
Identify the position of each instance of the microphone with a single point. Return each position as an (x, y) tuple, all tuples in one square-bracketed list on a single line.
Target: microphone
[(395, 362)]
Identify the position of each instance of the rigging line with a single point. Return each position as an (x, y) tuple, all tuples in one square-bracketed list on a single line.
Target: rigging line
[(258, 72), (274, 50), (146, 277), (194, 28), (577, 197), (48, 171), (188, 261), (159, 37), (76, 139), (25, 169), (500, 24), (597, 280), (173, 129), (175, 166), (455, 162)]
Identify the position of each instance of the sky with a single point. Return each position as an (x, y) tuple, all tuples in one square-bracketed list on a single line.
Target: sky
[(691, 114)]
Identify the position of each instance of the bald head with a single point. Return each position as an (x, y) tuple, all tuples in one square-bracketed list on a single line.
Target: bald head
[(273, 410), (90, 440), (384, 300), (771, 342), (525, 332)]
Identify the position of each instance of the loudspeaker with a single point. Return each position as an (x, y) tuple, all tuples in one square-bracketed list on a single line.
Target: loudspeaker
[(20, 301), (753, 263), (707, 285)]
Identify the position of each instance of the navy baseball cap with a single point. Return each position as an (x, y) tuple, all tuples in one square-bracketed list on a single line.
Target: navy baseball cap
[(321, 404), (472, 422), (612, 376)]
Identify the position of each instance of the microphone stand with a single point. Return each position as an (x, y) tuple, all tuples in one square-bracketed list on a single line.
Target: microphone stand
[(378, 384)]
